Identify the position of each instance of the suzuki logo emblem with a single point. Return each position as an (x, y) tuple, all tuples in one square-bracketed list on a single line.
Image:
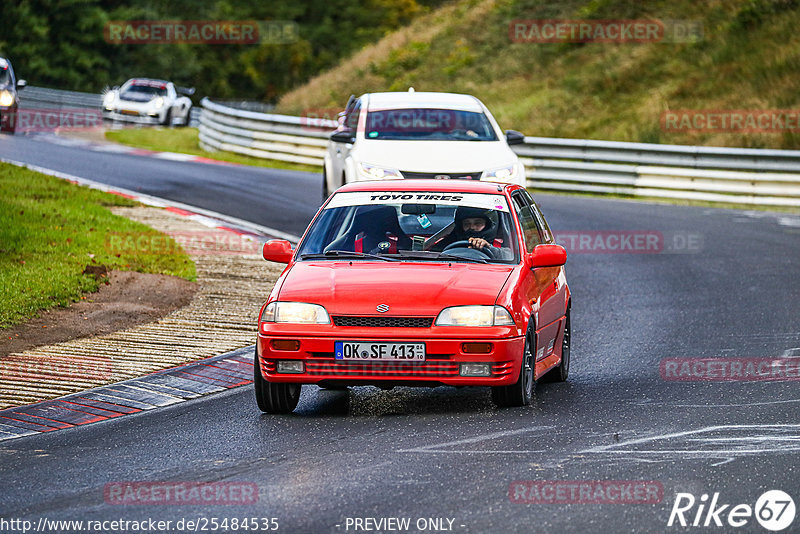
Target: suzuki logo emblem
[(382, 308)]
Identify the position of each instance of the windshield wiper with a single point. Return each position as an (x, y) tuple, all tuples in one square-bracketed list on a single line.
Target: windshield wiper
[(345, 254), (462, 258)]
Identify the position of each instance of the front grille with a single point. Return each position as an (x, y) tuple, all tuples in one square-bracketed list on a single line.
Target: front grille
[(452, 175), (382, 321)]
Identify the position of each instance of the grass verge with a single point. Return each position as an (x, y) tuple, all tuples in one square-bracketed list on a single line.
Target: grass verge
[(50, 230), (185, 141)]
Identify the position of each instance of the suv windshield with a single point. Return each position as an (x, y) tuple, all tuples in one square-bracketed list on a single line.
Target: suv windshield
[(413, 226), (429, 124)]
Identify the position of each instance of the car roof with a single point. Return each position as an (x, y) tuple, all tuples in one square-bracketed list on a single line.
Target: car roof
[(148, 81), (4, 63), (405, 100), (444, 186)]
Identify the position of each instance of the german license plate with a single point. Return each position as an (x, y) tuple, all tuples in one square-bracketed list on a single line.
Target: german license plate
[(354, 350)]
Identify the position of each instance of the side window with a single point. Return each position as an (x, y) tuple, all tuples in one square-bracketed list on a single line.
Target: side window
[(351, 121), (531, 231)]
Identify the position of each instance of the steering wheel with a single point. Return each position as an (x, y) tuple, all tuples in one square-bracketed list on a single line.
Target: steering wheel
[(464, 243)]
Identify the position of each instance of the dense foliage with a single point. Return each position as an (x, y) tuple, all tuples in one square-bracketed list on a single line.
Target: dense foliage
[(61, 43)]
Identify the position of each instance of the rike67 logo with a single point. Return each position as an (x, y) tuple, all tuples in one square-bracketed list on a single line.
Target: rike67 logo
[(774, 510)]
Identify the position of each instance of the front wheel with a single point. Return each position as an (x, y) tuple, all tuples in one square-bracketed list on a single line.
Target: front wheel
[(521, 392), (325, 193), (276, 398)]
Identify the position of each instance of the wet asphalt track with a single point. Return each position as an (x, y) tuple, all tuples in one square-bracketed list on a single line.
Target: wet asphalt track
[(448, 453)]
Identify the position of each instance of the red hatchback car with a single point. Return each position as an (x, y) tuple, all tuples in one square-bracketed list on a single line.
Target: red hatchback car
[(417, 283)]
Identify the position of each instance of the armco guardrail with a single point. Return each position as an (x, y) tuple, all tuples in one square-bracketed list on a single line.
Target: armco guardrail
[(263, 135), (42, 98), (39, 97), (746, 176)]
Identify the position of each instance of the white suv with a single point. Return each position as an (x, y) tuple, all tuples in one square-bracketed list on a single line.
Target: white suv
[(419, 135)]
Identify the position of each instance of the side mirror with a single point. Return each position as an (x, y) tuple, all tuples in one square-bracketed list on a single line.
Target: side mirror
[(343, 136), (21, 84), (514, 137), (547, 256), (188, 91), (278, 250)]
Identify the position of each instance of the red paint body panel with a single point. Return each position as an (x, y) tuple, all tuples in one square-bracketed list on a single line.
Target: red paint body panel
[(535, 297)]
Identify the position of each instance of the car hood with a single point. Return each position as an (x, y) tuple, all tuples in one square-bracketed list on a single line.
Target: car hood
[(436, 156), (415, 289)]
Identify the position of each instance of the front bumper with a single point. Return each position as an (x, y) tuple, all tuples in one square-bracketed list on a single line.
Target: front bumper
[(139, 117), (441, 366)]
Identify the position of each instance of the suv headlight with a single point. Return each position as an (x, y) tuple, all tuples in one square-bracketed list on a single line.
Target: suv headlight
[(6, 98), (295, 312), (474, 316), (373, 172), (507, 174)]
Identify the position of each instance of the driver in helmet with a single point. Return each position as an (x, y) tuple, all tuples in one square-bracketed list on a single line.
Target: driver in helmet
[(476, 227)]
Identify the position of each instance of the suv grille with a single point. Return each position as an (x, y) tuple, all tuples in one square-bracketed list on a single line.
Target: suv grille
[(382, 322), (453, 175)]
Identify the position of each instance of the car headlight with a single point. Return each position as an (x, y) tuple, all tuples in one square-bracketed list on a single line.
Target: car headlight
[(503, 174), (158, 103), (374, 172), (6, 98), (108, 99), (295, 312), (474, 316)]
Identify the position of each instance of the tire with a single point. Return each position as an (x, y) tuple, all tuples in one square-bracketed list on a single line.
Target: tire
[(275, 398), (187, 118), (521, 392), (10, 122), (167, 118), (560, 373), (325, 193)]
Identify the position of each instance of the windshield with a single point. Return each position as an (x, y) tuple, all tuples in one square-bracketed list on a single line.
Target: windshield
[(143, 92), (5, 76), (413, 226), (429, 124)]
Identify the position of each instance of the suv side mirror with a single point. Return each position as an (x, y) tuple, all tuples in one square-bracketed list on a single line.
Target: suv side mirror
[(277, 250), (514, 137), (21, 84), (547, 256), (343, 136)]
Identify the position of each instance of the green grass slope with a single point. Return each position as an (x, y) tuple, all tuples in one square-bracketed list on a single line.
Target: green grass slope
[(747, 59)]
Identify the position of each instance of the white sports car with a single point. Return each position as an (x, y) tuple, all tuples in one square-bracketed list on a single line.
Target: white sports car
[(420, 135), (149, 101)]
